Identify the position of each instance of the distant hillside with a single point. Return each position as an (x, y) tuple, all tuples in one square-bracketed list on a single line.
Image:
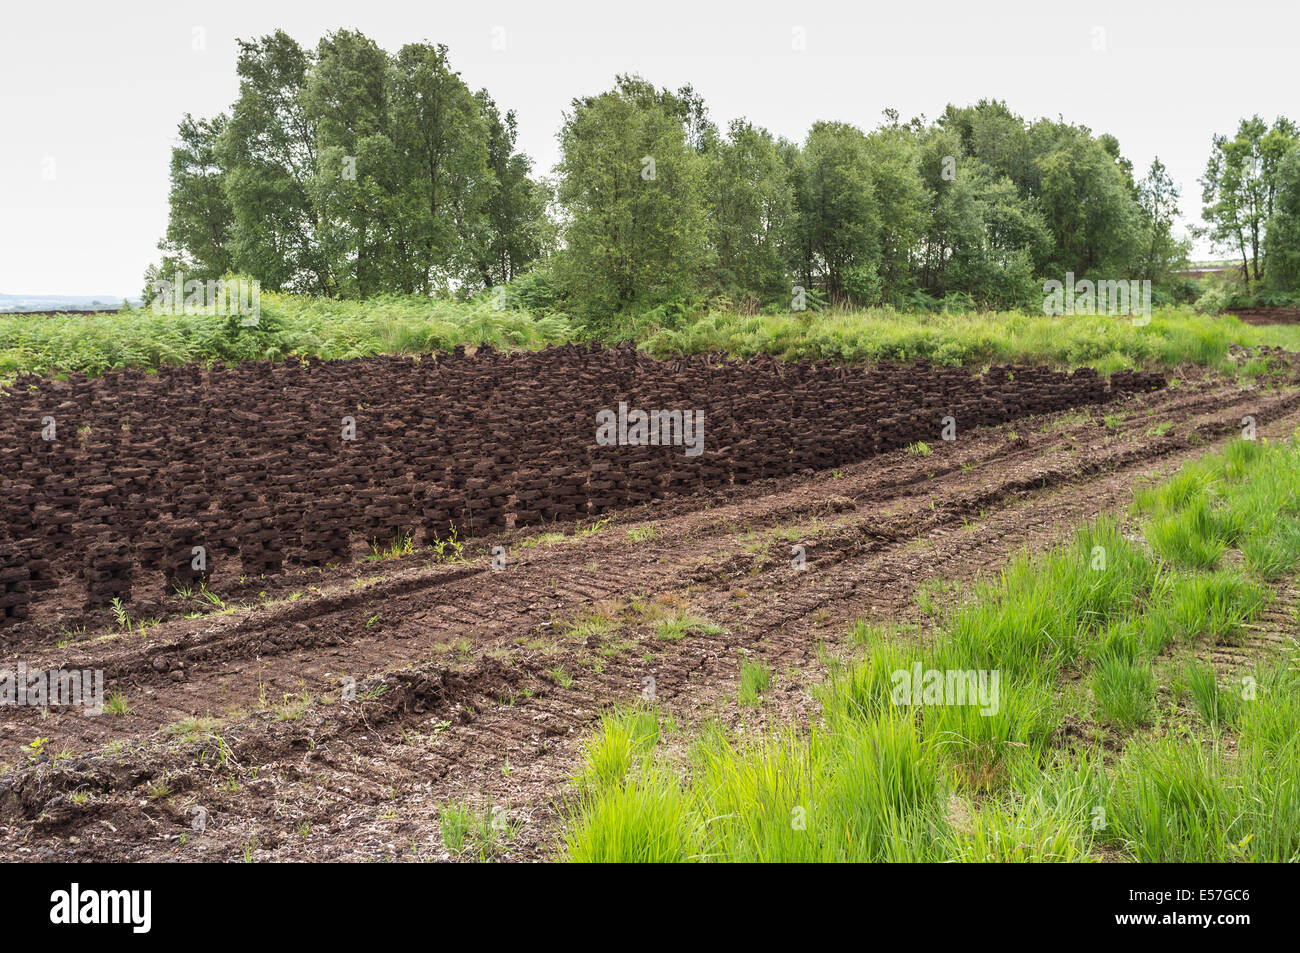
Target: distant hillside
[(12, 303)]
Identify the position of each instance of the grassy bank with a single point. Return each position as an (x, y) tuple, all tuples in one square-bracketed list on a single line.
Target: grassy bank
[(292, 325), (288, 325), (1107, 343), (1104, 736)]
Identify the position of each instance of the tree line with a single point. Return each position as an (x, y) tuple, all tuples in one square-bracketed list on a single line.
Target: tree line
[(351, 172)]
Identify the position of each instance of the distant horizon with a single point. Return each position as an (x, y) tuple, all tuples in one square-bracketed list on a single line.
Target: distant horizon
[(62, 295), (27, 303)]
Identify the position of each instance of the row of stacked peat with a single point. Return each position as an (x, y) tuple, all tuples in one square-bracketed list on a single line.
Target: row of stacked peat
[(169, 476)]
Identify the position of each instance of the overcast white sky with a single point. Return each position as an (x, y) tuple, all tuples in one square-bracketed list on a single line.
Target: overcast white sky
[(93, 92)]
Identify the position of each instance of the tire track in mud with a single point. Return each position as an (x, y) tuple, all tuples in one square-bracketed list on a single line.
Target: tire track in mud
[(492, 721)]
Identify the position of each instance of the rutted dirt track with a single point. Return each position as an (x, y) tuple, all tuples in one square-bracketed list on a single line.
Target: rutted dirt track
[(477, 684)]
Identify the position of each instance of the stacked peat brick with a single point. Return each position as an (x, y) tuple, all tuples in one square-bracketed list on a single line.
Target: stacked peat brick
[(249, 466), (15, 584)]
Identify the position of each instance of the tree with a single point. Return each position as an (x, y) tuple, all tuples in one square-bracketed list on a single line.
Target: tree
[(352, 189), (1087, 196), (984, 235), (200, 218), (268, 149), (750, 205), (690, 108), (441, 136), (349, 171), (991, 132), (894, 157), (1157, 197), (837, 220), (632, 191), (1239, 187), (515, 230), (1282, 241)]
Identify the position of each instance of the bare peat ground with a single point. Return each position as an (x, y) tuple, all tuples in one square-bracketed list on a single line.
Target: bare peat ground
[(1268, 315), (479, 685)]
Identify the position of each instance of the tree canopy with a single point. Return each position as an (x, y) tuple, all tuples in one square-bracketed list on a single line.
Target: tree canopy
[(352, 172)]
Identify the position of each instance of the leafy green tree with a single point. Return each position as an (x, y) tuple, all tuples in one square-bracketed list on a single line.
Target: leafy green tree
[(984, 235), (1282, 241), (268, 149), (940, 157), (837, 218), (997, 243), (515, 231), (991, 132), (893, 152), (1158, 201), (352, 172), (1239, 187), (441, 136), (750, 206), (632, 192), (1088, 198), (353, 189), (199, 219), (690, 108)]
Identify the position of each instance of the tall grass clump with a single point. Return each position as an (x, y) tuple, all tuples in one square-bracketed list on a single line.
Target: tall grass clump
[(1049, 814), (1205, 606), (624, 736), (1125, 690), (628, 808), (1044, 610), (755, 680), (980, 745), (644, 819), (1216, 705), (1174, 800)]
